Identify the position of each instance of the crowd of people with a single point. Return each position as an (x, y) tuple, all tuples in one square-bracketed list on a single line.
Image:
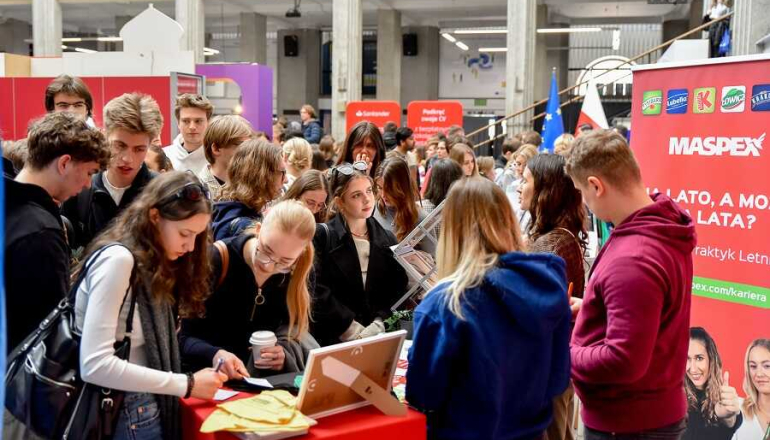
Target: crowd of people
[(229, 231)]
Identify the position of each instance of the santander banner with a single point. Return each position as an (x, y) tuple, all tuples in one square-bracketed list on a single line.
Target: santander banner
[(377, 112), (700, 135), (427, 118)]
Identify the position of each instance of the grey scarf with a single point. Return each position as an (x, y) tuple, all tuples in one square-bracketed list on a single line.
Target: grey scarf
[(162, 348)]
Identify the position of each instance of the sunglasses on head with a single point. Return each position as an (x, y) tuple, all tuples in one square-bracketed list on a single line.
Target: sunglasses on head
[(348, 169), (191, 192)]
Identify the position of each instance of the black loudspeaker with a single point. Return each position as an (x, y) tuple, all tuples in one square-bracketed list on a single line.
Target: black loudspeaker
[(290, 45), (410, 45)]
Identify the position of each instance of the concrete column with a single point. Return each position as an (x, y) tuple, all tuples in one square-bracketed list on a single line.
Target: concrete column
[(46, 28), (347, 37), (253, 38), (419, 75), (190, 14), (12, 35), (389, 52), (520, 62), (750, 24), (299, 81)]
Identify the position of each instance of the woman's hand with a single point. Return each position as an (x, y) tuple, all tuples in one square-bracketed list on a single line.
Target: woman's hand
[(575, 304), (272, 358), (232, 366), (207, 382), (728, 406), (363, 157)]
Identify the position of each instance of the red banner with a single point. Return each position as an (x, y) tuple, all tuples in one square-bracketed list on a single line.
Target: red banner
[(377, 112), (699, 133), (427, 118)]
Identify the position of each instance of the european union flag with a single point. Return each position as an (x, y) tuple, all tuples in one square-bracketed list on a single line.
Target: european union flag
[(553, 127)]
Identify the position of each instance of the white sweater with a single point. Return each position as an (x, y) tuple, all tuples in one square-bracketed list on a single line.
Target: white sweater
[(183, 160), (100, 315)]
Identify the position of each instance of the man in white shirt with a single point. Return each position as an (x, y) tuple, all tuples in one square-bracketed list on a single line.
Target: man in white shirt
[(131, 121), (192, 114)]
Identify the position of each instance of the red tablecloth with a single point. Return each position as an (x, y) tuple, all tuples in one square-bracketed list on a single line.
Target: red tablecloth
[(364, 423)]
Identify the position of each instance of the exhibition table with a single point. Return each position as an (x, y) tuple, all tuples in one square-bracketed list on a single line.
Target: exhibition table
[(363, 423)]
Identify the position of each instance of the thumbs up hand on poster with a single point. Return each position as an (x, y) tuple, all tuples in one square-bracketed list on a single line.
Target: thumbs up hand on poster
[(728, 406)]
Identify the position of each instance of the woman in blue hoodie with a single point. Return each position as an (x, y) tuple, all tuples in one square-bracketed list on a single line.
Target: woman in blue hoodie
[(490, 347)]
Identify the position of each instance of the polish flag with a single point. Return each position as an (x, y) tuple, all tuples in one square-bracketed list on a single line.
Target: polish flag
[(592, 111)]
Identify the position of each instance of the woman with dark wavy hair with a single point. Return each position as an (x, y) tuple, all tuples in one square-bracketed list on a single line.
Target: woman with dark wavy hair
[(363, 143), (713, 409), (557, 227)]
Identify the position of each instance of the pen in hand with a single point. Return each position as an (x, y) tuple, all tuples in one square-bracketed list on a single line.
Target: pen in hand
[(220, 362)]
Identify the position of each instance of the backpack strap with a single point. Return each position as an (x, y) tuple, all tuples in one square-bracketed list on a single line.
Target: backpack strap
[(328, 237), (225, 257)]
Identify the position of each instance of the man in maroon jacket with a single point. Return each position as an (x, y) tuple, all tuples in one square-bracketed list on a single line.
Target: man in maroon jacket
[(629, 346)]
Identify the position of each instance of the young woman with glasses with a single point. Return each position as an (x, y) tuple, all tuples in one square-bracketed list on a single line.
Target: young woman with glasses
[(265, 287), (158, 255), (256, 176), (358, 280), (312, 189)]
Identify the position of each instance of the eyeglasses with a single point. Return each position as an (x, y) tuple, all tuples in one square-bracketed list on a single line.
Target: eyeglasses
[(348, 169), (263, 258), (64, 106), (192, 192), (313, 206)]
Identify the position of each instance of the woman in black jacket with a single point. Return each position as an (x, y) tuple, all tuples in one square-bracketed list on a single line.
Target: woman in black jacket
[(265, 287), (358, 280)]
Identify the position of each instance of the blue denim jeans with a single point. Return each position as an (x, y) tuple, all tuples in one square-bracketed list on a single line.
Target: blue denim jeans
[(670, 432), (139, 418)]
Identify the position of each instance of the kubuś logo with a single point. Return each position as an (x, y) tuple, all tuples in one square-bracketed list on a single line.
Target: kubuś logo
[(715, 146), (652, 102), (733, 99), (704, 100), (676, 101), (760, 98)]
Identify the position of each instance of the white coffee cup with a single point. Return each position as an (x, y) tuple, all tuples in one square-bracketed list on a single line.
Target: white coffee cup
[(260, 340)]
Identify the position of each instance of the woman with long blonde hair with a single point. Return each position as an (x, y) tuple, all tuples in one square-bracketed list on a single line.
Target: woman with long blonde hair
[(490, 348), (256, 176), (263, 288), (756, 385)]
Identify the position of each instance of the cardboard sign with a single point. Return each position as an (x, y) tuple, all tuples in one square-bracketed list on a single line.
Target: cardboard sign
[(427, 118), (377, 112)]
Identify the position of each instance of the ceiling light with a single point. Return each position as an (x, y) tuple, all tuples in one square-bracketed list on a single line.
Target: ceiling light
[(449, 37), (493, 49), (71, 40), (64, 47), (83, 50), (110, 39), (568, 30), (461, 45), (480, 31)]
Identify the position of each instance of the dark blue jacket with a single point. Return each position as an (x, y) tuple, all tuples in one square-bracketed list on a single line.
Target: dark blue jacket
[(312, 131), (229, 219), (493, 374)]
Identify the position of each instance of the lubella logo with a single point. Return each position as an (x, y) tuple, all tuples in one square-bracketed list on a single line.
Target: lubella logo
[(704, 100), (676, 103), (652, 102), (733, 99)]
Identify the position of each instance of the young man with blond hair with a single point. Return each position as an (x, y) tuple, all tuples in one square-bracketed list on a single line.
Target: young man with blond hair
[(223, 136), (630, 342), (131, 122), (193, 113), (63, 153)]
